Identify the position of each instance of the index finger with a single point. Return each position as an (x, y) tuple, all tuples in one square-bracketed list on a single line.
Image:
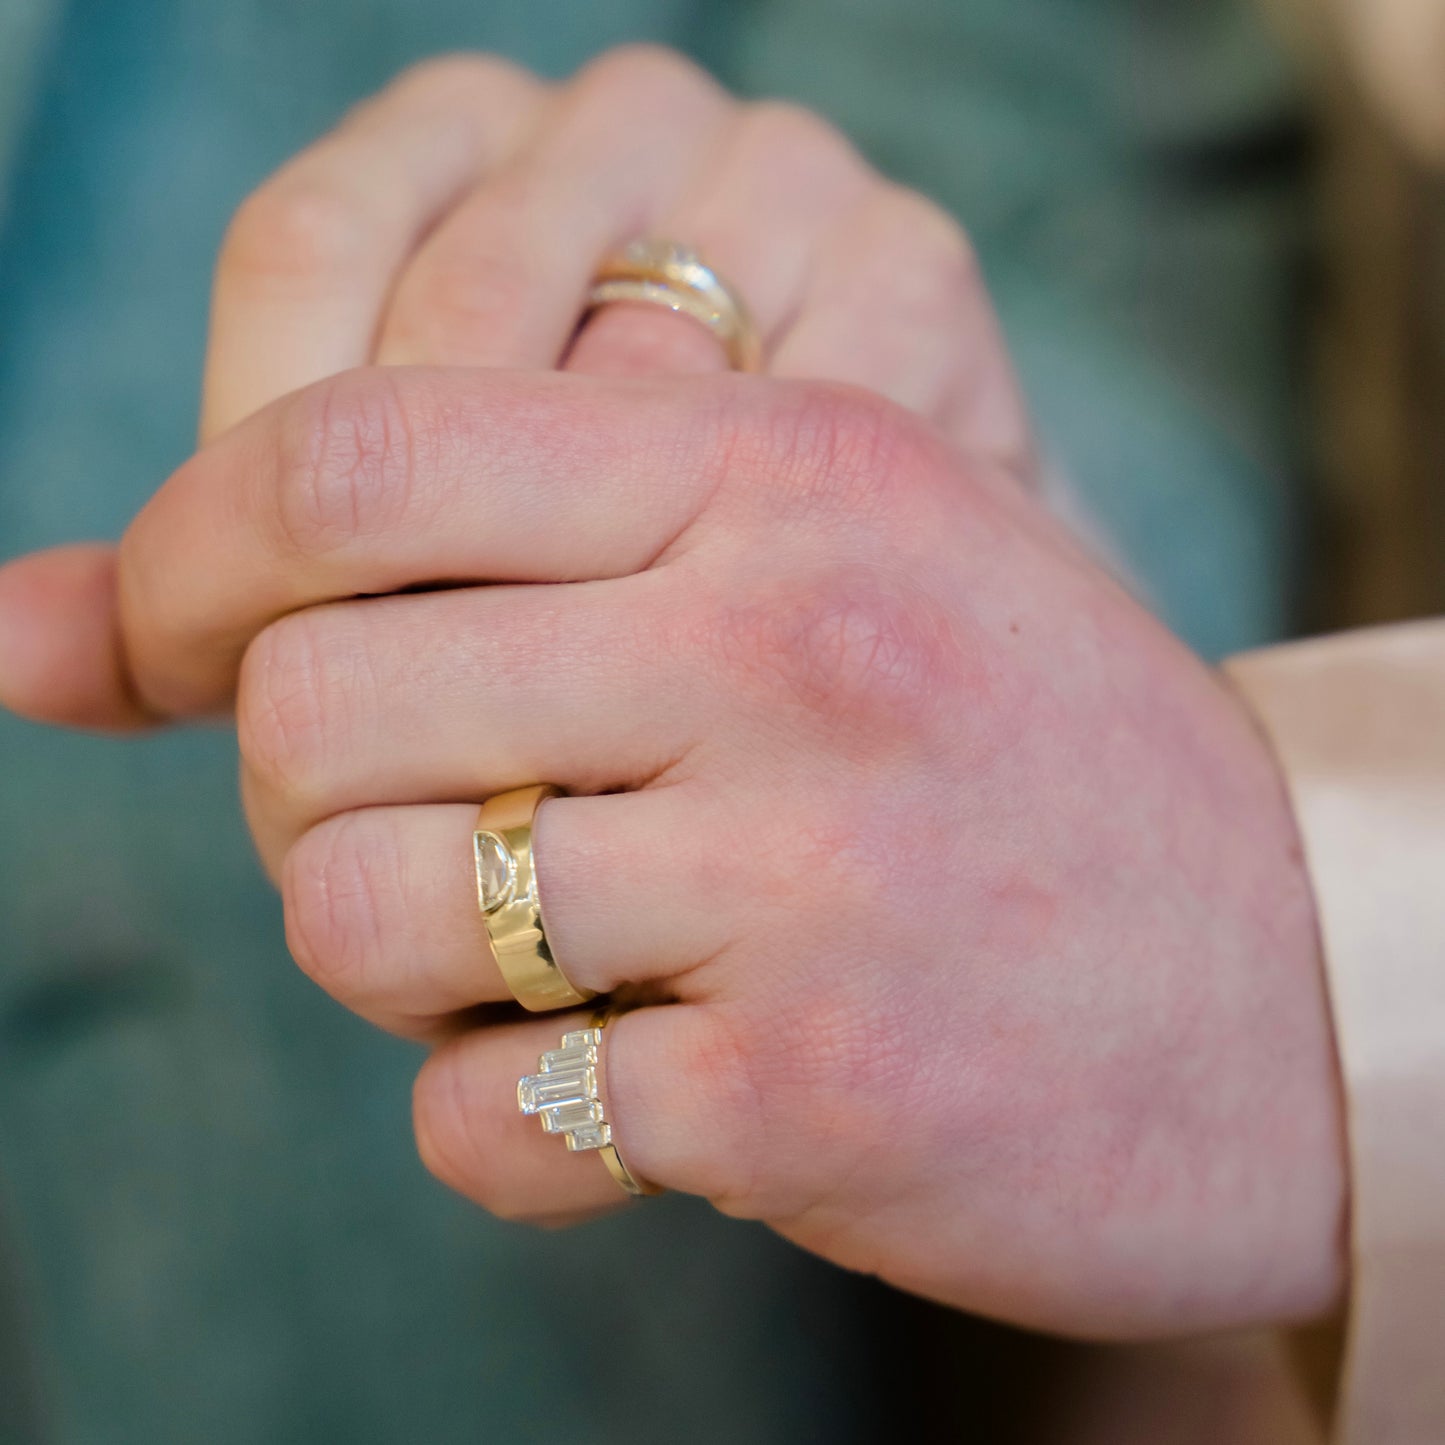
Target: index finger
[(393, 478), (311, 256)]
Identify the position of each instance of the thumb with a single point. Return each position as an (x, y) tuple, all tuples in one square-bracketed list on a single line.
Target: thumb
[(61, 656)]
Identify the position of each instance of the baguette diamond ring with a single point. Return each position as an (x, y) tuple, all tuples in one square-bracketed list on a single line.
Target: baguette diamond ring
[(565, 1094)]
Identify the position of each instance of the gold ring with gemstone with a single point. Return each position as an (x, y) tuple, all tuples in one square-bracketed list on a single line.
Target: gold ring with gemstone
[(663, 273), (566, 1093), (511, 905)]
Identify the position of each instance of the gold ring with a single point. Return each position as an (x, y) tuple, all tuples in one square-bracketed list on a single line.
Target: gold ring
[(566, 1092), (511, 906), (663, 273)]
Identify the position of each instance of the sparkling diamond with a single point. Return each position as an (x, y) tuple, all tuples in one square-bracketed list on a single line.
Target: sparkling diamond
[(660, 253), (564, 1092), (567, 1086), (592, 1136), (573, 1058), (561, 1117), (496, 871)]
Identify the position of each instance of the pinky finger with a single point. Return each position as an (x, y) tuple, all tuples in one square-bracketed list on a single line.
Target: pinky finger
[(896, 303), (473, 1137)]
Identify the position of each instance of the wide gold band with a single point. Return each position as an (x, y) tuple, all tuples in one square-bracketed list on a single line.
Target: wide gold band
[(507, 894), (662, 273)]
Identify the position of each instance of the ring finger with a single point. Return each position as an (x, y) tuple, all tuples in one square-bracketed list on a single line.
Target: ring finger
[(502, 279), (381, 903), (455, 695), (776, 161), (662, 1071)]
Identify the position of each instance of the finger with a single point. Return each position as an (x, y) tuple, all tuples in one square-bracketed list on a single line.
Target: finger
[(381, 903), (377, 481), (758, 208), (631, 338), (59, 658), (310, 258), (457, 695), (895, 302), (502, 280), (670, 1091)]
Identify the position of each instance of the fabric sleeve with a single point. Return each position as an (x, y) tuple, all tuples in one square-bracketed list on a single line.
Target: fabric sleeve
[(1358, 724)]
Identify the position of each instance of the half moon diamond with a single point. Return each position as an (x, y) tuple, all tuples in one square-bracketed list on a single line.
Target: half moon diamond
[(496, 871)]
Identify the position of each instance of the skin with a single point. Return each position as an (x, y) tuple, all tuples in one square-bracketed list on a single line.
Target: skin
[(965, 903)]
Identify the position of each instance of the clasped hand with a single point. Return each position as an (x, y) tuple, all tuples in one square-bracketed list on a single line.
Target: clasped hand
[(964, 902)]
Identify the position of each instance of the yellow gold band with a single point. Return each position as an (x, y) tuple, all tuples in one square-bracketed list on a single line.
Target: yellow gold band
[(662, 273), (507, 894)]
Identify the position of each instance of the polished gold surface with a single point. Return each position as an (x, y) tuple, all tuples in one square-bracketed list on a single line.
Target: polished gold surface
[(507, 893), (662, 273)]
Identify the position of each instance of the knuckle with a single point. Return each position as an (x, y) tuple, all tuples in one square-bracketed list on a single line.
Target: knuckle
[(334, 889), (820, 851), (347, 461), (643, 67), (844, 641), (810, 1092), (860, 649), (727, 1062), (793, 140), (283, 718), (294, 229), (841, 451), (925, 246), (457, 75), (858, 1059), (929, 227)]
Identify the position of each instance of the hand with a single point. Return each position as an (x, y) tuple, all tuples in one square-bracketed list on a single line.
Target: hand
[(456, 220), (968, 902), (987, 956)]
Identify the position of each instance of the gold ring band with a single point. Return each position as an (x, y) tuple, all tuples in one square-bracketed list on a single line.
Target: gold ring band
[(628, 1181), (663, 273), (566, 1094), (508, 896)]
